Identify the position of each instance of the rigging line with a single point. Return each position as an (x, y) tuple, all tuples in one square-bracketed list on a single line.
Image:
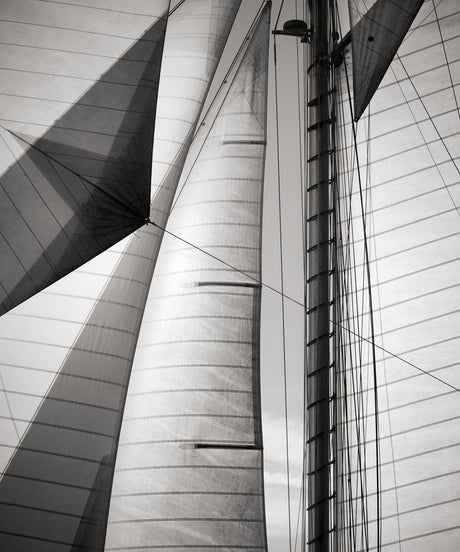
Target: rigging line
[(279, 14), (283, 316), (178, 5), (366, 271), (447, 61), (371, 320), (236, 58), (299, 303), (434, 126)]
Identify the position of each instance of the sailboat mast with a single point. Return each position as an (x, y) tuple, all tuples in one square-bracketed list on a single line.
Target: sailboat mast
[(319, 287)]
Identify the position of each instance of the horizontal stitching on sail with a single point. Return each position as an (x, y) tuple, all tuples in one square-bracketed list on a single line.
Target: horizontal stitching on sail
[(182, 442), (36, 422), (199, 317), (76, 376), (190, 366), (116, 277), (52, 453), (218, 201), (31, 537), (47, 48), (127, 134), (398, 433), (198, 270), (220, 223), (130, 39), (71, 401), (53, 100), (102, 9), (398, 252), (405, 405), (51, 482), (419, 536), (77, 322), (81, 349), (160, 493), (157, 416), (205, 292), (409, 457), (210, 546), (48, 511), (183, 341), (188, 466), (214, 519), (100, 81), (212, 246), (413, 376), (93, 299), (192, 389)]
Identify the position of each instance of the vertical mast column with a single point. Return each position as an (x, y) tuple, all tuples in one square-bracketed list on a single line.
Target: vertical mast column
[(319, 285)]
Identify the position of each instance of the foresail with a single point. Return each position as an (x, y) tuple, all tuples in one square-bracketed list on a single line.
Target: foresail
[(409, 153), (377, 31), (78, 97), (67, 352), (189, 468)]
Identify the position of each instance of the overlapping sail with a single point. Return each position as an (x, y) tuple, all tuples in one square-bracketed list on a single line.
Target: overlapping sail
[(377, 29), (67, 352), (408, 197), (78, 99), (189, 467)]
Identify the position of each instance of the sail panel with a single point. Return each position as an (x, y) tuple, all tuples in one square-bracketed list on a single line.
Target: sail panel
[(376, 34), (77, 119), (408, 153), (68, 351), (189, 469)]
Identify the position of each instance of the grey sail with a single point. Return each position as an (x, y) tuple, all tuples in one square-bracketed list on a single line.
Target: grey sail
[(78, 101), (377, 30), (189, 467)]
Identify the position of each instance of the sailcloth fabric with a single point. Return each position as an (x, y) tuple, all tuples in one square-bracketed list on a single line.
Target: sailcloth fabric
[(78, 99), (67, 352), (189, 467), (377, 30), (409, 152)]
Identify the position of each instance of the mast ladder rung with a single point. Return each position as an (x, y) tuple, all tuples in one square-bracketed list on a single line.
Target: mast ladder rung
[(328, 532), (316, 215), (317, 184), (315, 276), (330, 497), (323, 467), (314, 126), (315, 101), (327, 367), (320, 154)]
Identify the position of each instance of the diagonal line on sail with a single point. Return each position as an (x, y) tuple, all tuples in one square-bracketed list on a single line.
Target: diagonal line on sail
[(302, 305)]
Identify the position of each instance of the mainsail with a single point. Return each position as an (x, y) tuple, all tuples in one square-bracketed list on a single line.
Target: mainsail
[(405, 203), (78, 99), (189, 467)]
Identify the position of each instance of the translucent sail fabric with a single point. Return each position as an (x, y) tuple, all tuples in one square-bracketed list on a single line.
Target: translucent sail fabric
[(409, 152), (67, 352), (189, 467), (78, 96), (377, 30)]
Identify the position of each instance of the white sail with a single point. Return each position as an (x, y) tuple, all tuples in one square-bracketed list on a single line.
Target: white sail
[(67, 364), (189, 466), (408, 150), (77, 112)]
